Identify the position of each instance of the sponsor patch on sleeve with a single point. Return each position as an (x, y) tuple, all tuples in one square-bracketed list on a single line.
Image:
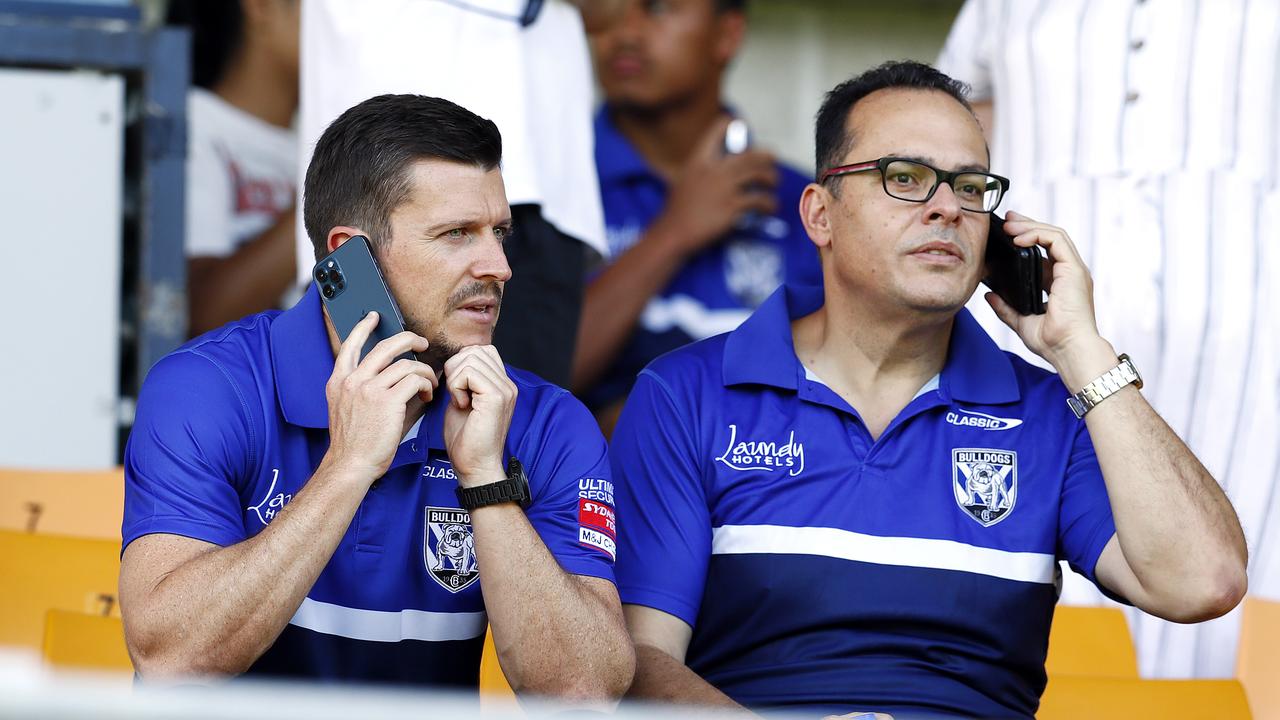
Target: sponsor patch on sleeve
[(597, 522), (598, 540)]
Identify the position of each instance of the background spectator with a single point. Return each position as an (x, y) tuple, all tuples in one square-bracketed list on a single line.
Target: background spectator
[(698, 237), (241, 156), (1150, 131)]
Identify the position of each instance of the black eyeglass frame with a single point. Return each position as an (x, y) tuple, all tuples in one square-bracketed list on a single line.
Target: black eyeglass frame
[(943, 176)]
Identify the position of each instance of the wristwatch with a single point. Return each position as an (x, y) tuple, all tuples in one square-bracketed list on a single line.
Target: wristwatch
[(1106, 385), (514, 489)]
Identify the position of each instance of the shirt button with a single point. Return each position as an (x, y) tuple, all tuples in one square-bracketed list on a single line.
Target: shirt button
[(1136, 45), (413, 447), (1131, 96)]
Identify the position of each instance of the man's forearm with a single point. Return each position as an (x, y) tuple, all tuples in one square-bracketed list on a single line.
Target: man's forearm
[(217, 613), (554, 635), (1177, 530), (253, 278), (660, 677), (614, 301)]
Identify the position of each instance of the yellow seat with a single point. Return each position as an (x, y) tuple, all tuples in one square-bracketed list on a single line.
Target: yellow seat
[(1070, 697), (495, 691), (52, 572), (1092, 641), (79, 503), (1258, 666), (83, 641)]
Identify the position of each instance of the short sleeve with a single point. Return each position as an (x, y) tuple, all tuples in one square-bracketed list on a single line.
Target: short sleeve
[(1085, 523), (210, 192), (572, 504), (662, 507), (967, 54), (189, 445)]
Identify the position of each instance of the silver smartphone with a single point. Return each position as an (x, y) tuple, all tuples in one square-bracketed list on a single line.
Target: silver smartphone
[(351, 286)]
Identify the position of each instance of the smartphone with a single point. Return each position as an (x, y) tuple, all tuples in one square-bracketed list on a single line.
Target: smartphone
[(737, 137), (1014, 273), (351, 286)]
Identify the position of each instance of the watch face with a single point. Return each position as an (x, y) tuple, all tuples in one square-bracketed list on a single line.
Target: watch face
[(515, 471)]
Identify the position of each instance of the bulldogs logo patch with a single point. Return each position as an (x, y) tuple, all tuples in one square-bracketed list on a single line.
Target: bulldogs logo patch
[(985, 483), (449, 549)]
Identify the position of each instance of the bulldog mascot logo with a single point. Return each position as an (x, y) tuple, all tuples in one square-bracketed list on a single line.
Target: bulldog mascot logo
[(449, 549)]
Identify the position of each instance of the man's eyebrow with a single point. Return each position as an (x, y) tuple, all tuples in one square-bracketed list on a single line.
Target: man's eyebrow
[(971, 167), (462, 223)]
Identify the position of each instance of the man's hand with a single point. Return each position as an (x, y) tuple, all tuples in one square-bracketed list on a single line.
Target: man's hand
[(373, 402), (1066, 335), (714, 190), (482, 400)]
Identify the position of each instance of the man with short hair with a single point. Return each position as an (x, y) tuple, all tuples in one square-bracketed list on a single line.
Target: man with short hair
[(698, 236), (294, 510), (856, 501)]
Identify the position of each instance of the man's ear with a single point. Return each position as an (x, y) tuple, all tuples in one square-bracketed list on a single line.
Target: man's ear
[(815, 213), (340, 234)]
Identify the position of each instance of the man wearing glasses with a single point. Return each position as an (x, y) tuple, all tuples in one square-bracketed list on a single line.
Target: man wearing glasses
[(856, 501)]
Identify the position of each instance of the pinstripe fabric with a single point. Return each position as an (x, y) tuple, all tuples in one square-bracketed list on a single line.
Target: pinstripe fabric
[(1150, 131)]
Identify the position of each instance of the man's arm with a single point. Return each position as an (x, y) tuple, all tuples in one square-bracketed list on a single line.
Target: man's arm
[(252, 279), (703, 203), (192, 608), (1178, 551), (555, 633), (661, 642)]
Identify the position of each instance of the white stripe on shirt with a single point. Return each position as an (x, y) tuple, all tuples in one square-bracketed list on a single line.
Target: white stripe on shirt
[(897, 551), (384, 626)]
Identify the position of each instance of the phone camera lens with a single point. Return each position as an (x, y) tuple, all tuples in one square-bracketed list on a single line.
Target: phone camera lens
[(341, 284), (335, 276), (328, 291), (321, 274)]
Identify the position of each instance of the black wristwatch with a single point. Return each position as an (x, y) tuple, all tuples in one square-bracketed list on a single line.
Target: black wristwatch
[(514, 489)]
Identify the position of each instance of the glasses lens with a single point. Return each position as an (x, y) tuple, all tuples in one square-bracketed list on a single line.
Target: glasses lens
[(977, 191), (908, 180)]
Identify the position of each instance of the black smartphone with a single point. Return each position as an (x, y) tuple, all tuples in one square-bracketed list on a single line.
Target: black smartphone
[(351, 286), (1014, 273)]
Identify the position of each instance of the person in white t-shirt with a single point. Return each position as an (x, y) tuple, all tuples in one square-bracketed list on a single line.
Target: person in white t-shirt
[(242, 156)]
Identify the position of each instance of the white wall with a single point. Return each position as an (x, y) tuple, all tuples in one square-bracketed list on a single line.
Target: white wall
[(797, 50)]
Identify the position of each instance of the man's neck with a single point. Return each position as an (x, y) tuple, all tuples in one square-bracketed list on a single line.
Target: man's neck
[(665, 137), (877, 359), (259, 87)]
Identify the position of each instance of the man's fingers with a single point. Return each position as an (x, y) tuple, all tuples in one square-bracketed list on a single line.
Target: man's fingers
[(411, 386), (349, 351), (1003, 310), (397, 371), (387, 350)]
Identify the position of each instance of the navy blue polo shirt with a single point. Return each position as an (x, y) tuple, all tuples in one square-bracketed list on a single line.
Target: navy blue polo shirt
[(718, 287), (819, 568), (231, 426)]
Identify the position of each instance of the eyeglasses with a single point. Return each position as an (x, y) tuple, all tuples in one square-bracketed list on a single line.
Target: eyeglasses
[(915, 181)]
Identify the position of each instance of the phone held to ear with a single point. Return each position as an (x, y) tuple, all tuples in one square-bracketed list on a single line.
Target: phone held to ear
[(351, 286), (1014, 273)]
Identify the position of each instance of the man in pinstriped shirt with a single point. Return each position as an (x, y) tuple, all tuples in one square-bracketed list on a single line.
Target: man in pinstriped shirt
[(1152, 129)]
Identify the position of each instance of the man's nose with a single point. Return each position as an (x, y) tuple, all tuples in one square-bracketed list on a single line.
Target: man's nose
[(491, 262), (944, 205)]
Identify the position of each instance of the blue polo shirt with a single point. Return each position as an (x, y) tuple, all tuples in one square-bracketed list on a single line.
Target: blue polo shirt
[(913, 574), (231, 426), (718, 287)]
